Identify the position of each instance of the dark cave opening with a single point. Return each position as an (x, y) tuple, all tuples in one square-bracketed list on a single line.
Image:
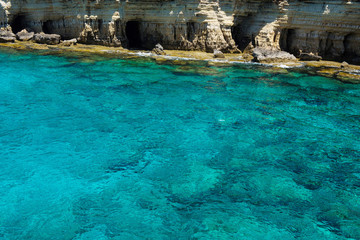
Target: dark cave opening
[(190, 31), (351, 48), (241, 32), (47, 27), (18, 23), (349, 45), (287, 38), (100, 24), (241, 40), (132, 30)]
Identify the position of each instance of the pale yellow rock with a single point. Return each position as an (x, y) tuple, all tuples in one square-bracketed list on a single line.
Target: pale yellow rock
[(330, 29)]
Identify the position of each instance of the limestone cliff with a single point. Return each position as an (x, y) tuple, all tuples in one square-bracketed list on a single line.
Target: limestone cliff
[(328, 28)]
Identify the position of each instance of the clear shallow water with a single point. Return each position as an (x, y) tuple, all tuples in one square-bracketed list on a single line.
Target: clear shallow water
[(122, 149)]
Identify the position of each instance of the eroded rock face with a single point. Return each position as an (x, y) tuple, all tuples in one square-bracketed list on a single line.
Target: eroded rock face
[(330, 29)]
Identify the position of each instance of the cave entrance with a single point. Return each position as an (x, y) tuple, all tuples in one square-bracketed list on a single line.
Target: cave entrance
[(287, 39), (133, 35), (190, 28), (47, 27), (242, 40), (242, 31), (351, 48), (18, 23)]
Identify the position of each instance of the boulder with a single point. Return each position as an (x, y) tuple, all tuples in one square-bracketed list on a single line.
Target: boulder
[(7, 36), (50, 39), (71, 42), (309, 57), (24, 35), (218, 54), (344, 65), (158, 50), (271, 55)]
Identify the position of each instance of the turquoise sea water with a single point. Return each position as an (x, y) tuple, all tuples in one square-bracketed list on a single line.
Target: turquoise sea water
[(130, 149)]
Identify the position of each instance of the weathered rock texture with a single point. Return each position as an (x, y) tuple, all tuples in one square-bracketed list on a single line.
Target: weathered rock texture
[(329, 28), (270, 55), (50, 39), (6, 36), (24, 35)]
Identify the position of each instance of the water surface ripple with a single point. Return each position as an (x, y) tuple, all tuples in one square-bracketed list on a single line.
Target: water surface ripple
[(122, 149)]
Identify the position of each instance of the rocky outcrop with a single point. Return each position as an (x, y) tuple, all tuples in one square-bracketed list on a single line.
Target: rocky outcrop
[(266, 55), (309, 57), (330, 29), (68, 43), (6, 36), (50, 39), (218, 54), (158, 50), (24, 35)]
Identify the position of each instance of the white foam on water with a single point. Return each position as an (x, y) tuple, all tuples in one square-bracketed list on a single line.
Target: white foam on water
[(149, 54), (217, 60), (177, 58), (357, 72), (142, 54)]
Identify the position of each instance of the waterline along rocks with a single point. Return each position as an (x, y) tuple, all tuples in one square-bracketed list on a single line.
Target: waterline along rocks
[(330, 29)]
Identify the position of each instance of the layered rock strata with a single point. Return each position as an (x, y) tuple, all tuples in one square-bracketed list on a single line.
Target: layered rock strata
[(330, 29)]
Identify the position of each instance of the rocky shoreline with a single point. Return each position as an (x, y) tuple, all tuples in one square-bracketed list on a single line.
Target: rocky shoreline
[(344, 72), (329, 29), (279, 33)]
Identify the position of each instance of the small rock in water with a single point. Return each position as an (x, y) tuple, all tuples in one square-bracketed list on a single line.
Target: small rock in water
[(24, 35), (7, 36), (158, 50), (218, 54)]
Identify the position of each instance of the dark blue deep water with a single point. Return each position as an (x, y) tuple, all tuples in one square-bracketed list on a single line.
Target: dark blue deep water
[(108, 148)]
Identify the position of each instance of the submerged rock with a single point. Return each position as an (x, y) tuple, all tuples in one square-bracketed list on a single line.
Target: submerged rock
[(50, 39), (158, 50), (270, 55), (309, 57), (7, 36), (218, 54), (198, 180), (24, 35)]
